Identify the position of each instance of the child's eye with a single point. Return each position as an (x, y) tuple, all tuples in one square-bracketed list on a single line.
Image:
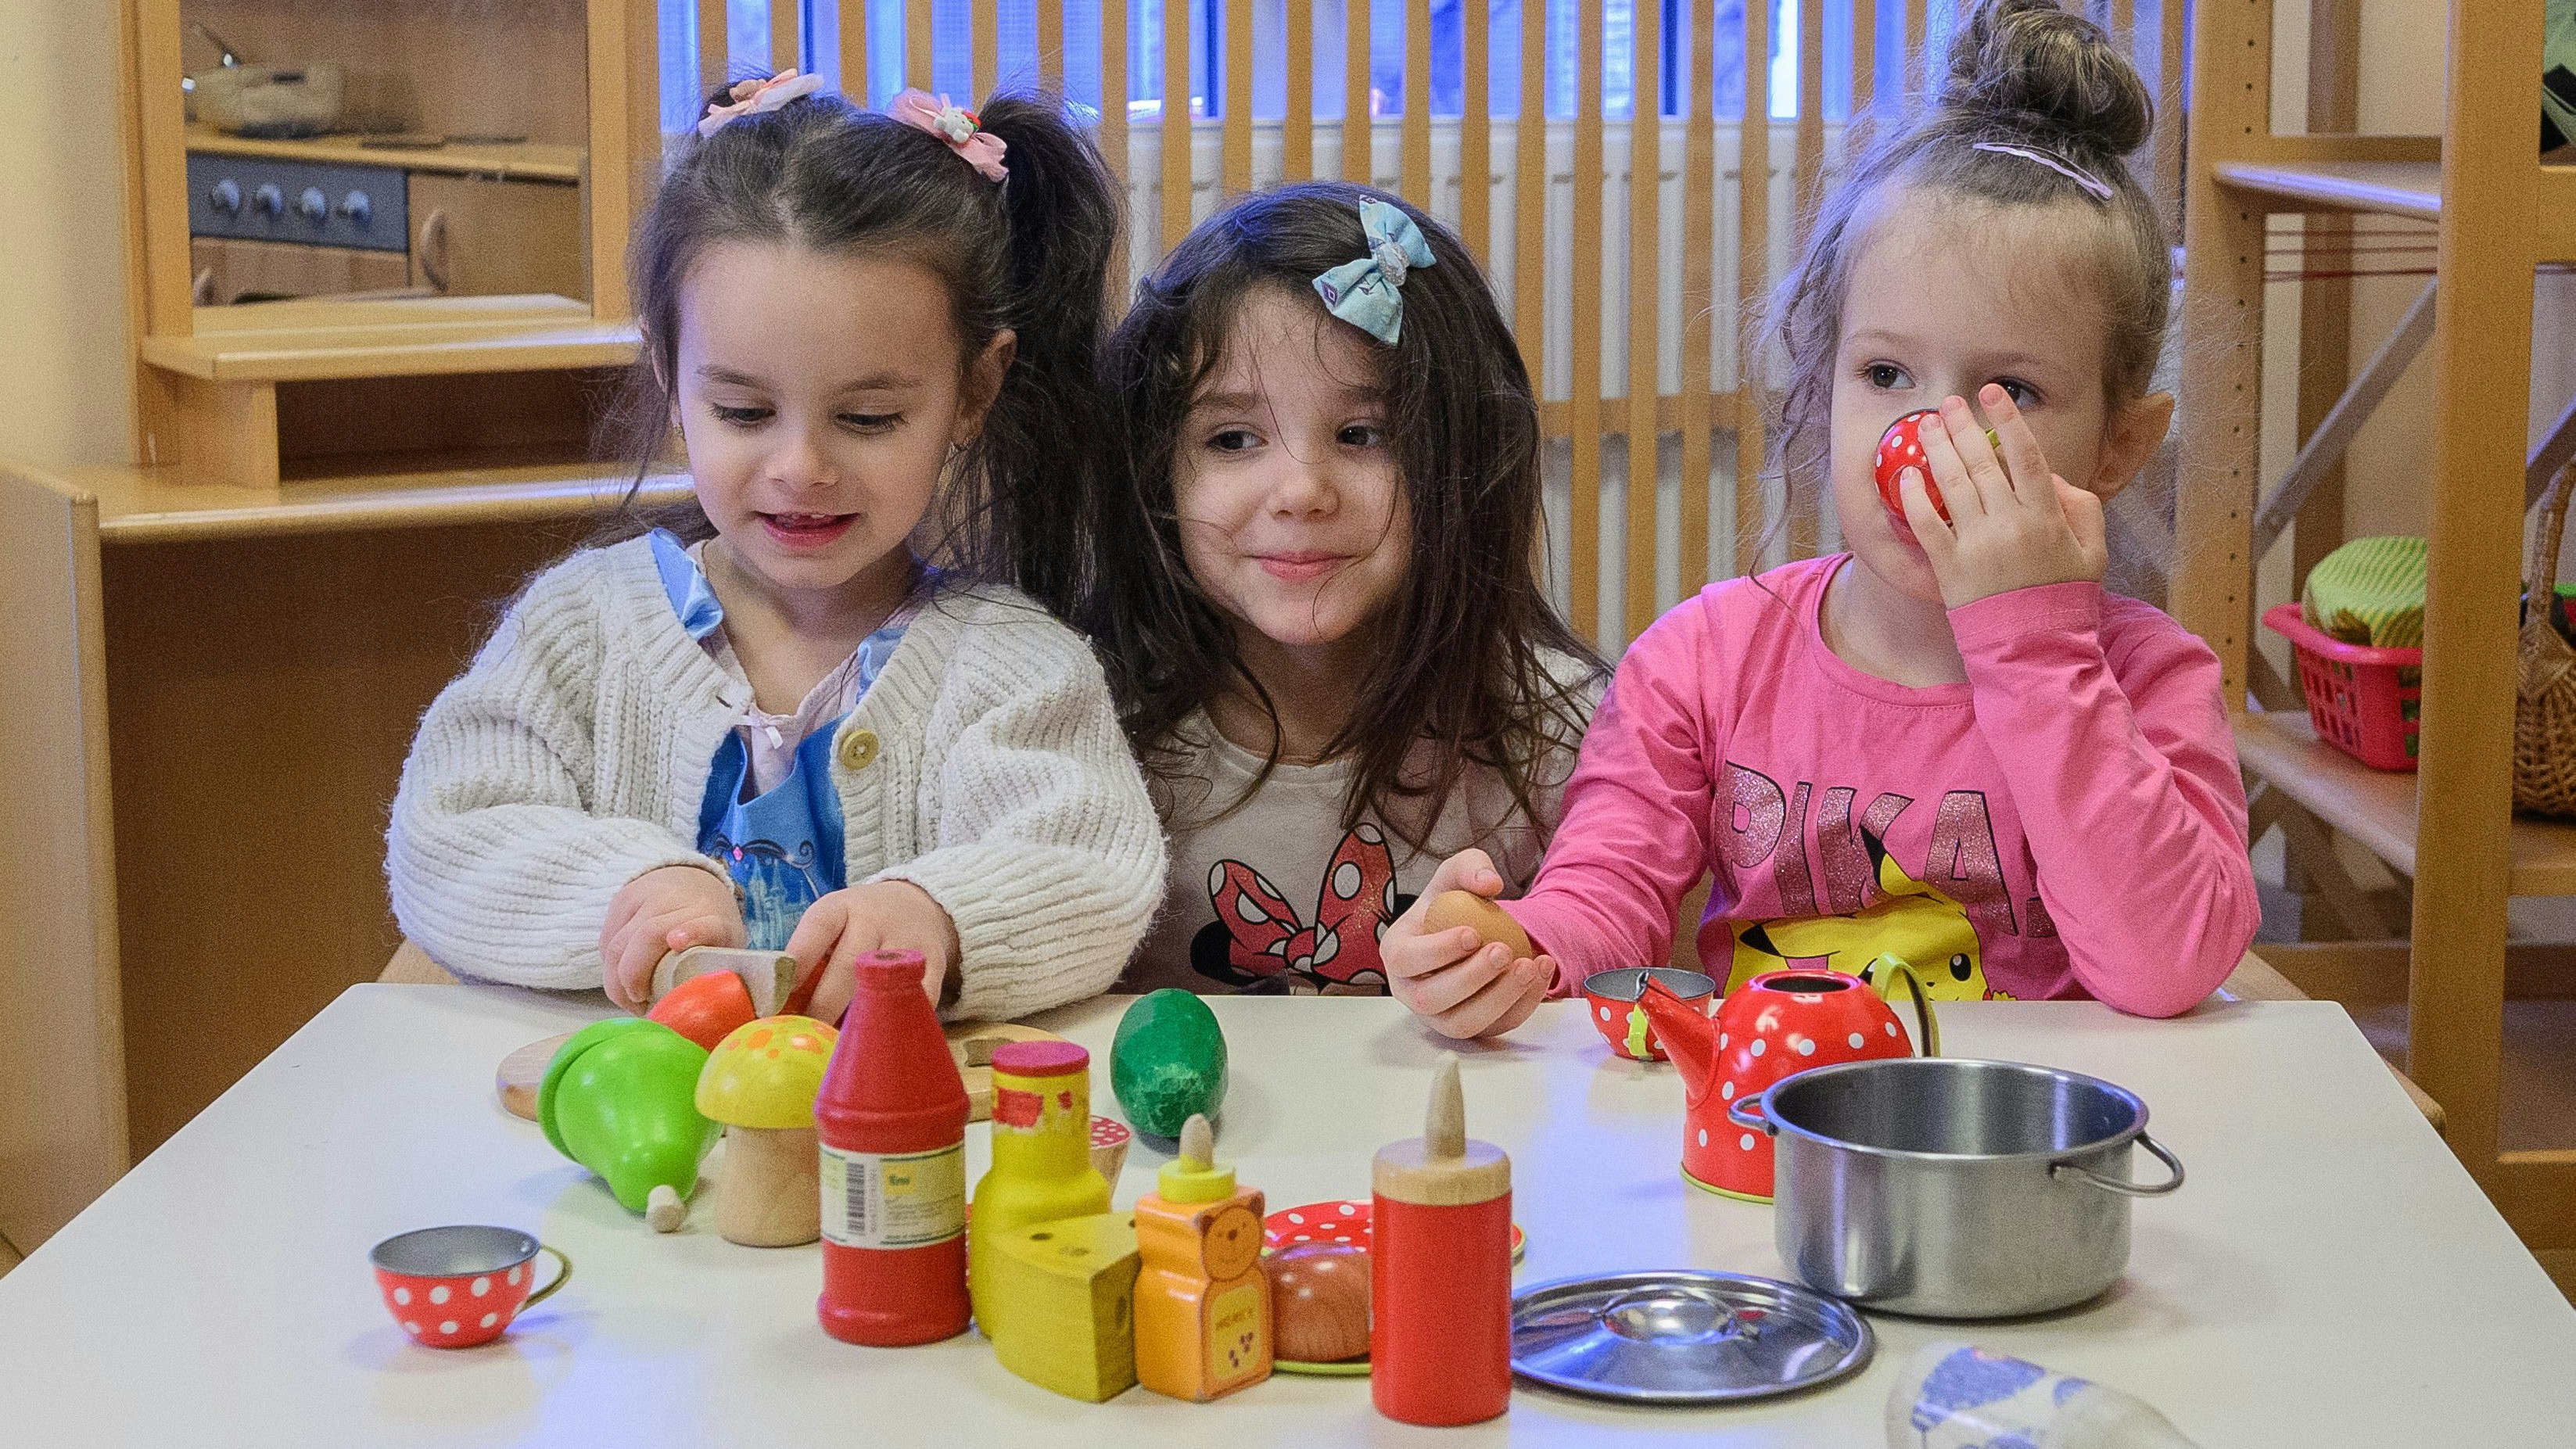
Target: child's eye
[(872, 422), (1362, 435), (1233, 440), (739, 417), (2022, 393), (1886, 376)]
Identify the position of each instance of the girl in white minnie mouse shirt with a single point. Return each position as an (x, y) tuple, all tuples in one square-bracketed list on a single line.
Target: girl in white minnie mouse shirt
[(1313, 587)]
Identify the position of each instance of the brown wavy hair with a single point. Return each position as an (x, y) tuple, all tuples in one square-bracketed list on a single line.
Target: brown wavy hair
[(1467, 672)]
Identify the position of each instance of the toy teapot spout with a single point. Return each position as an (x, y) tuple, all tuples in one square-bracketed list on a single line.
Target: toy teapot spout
[(1687, 1036)]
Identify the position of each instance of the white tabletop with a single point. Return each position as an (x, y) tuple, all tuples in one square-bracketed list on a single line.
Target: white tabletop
[(2328, 1276)]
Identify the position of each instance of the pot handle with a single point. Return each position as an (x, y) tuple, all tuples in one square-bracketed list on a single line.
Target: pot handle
[(1927, 1029), (2128, 1189), (1741, 1113)]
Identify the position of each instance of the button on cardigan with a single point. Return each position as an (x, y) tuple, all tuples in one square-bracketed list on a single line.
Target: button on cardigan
[(985, 765)]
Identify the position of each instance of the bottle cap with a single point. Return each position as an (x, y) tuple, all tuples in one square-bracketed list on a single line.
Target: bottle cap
[(1193, 1175), (1040, 1058)]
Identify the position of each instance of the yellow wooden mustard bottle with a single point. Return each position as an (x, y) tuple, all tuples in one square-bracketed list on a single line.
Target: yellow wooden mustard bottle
[(1202, 1302)]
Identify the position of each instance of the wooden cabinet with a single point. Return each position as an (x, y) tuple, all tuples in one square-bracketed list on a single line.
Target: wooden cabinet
[(476, 236)]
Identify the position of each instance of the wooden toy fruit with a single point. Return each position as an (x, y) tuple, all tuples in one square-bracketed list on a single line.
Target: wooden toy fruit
[(620, 1099), (1041, 1170), (1451, 909), (760, 1082), (705, 1008), (1319, 1302), (1773, 1025), (1202, 1301), (1072, 1289), (1900, 448), (1167, 1063)]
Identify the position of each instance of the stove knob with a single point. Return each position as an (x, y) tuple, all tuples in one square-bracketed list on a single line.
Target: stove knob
[(356, 207), (224, 195), (313, 205), (269, 199)]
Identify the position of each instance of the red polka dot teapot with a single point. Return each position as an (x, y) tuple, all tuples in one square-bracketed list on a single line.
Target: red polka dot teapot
[(1776, 1025)]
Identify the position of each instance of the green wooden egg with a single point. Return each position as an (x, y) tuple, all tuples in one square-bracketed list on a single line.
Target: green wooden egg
[(1168, 1062)]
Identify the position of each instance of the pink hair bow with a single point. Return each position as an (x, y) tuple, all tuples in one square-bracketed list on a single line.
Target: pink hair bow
[(755, 97), (954, 125)]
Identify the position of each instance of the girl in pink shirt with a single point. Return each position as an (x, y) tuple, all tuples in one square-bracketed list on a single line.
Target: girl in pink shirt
[(1949, 744)]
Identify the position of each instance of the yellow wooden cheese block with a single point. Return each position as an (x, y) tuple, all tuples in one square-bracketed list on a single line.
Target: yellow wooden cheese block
[(1070, 1286)]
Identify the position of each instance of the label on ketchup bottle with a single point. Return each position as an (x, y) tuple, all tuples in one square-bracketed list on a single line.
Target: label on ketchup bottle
[(893, 1199)]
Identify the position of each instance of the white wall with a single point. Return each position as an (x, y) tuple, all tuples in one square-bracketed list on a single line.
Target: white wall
[(66, 395)]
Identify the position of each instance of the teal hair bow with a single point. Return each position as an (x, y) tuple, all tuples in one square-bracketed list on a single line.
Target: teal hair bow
[(1368, 293)]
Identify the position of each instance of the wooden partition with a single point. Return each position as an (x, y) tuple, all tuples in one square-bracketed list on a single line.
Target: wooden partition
[(1675, 308)]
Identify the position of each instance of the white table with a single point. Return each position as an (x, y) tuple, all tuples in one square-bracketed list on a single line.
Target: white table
[(2329, 1276)]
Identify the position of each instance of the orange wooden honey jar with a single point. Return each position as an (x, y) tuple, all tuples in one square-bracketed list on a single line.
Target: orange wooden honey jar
[(1202, 1301)]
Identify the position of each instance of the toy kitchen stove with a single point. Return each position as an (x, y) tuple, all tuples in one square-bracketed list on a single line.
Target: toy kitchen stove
[(263, 227)]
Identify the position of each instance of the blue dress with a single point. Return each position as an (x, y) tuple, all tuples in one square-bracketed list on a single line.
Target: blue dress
[(782, 847)]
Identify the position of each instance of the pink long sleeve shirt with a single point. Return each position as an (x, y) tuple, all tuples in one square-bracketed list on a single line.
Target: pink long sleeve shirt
[(2068, 822)]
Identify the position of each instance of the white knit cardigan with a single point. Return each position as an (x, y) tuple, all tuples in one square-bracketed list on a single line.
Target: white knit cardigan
[(573, 757)]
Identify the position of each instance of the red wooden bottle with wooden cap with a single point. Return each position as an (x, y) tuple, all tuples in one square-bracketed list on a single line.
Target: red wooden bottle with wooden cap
[(1440, 1271), (891, 1119)]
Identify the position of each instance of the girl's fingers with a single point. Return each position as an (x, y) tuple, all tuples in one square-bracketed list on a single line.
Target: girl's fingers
[(1492, 1009), (1968, 440), (1468, 870), (2024, 461), (1931, 533), (1529, 1002), (1424, 955), (2083, 515), (1436, 993), (1959, 489)]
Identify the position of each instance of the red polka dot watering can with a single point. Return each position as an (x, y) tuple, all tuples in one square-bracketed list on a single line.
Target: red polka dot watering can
[(1776, 1025)]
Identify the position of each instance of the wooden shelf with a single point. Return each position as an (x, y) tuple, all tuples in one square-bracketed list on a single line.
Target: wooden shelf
[(2397, 188), (519, 161), (393, 337), (2377, 807), (137, 505)]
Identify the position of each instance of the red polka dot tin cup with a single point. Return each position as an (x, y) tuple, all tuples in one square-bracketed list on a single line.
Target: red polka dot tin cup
[(1612, 996), (457, 1286), (1773, 1027)]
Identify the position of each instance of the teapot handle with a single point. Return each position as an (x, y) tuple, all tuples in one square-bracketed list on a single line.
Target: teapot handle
[(1927, 1034)]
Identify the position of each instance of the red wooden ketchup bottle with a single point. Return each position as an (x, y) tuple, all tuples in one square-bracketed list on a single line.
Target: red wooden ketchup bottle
[(891, 1121), (1440, 1270)]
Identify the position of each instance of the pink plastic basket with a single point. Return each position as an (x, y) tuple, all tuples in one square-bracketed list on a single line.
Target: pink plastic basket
[(2362, 700)]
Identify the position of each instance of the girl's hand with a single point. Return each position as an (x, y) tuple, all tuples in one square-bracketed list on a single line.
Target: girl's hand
[(891, 915), (2013, 524), (1460, 984), (667, 909)]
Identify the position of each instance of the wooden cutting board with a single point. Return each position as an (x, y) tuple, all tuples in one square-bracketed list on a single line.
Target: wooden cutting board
[(970, 1042)]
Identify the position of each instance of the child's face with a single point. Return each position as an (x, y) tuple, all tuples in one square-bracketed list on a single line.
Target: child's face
[(819, 395), (1945, 297), (1293, 518)]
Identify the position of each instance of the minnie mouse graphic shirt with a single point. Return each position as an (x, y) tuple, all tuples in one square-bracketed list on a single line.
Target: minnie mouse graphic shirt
[(1277, 896)]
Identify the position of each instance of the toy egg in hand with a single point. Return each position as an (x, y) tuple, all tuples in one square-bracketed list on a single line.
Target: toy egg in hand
[(1319, 1302)]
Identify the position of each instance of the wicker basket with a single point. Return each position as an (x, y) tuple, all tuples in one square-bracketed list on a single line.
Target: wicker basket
[(2544, 704)]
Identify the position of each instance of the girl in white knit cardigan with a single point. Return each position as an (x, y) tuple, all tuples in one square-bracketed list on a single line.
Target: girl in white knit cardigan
[(792, 732)]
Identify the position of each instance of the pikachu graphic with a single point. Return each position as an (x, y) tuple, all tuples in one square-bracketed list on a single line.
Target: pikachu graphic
[(1911, 921)]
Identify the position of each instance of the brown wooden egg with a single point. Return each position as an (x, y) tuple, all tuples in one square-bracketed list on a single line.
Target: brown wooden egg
[(1319, 1302)]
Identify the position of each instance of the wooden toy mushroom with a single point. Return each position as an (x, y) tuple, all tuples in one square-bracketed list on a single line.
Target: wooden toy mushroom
[(760, 1082)]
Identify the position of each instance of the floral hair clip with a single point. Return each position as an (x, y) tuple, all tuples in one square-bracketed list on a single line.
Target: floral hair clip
[(1368, 293), (955, 125), (757, 97)]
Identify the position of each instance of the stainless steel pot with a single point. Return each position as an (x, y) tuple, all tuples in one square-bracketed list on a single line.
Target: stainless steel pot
[(1950, 1188)]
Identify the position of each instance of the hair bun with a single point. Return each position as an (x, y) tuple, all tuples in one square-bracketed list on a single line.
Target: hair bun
[(2053, 73)]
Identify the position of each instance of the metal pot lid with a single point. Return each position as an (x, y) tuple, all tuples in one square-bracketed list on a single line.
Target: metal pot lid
[(1684, 1336)]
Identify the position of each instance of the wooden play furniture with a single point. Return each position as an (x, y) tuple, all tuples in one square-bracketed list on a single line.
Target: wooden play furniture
[(2449, 828)]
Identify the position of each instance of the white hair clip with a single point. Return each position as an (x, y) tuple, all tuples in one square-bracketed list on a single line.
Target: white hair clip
[(2094, 186)]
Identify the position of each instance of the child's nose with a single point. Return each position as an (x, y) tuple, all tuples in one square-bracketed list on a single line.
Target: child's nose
[(802, 460), (1302, 489)]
